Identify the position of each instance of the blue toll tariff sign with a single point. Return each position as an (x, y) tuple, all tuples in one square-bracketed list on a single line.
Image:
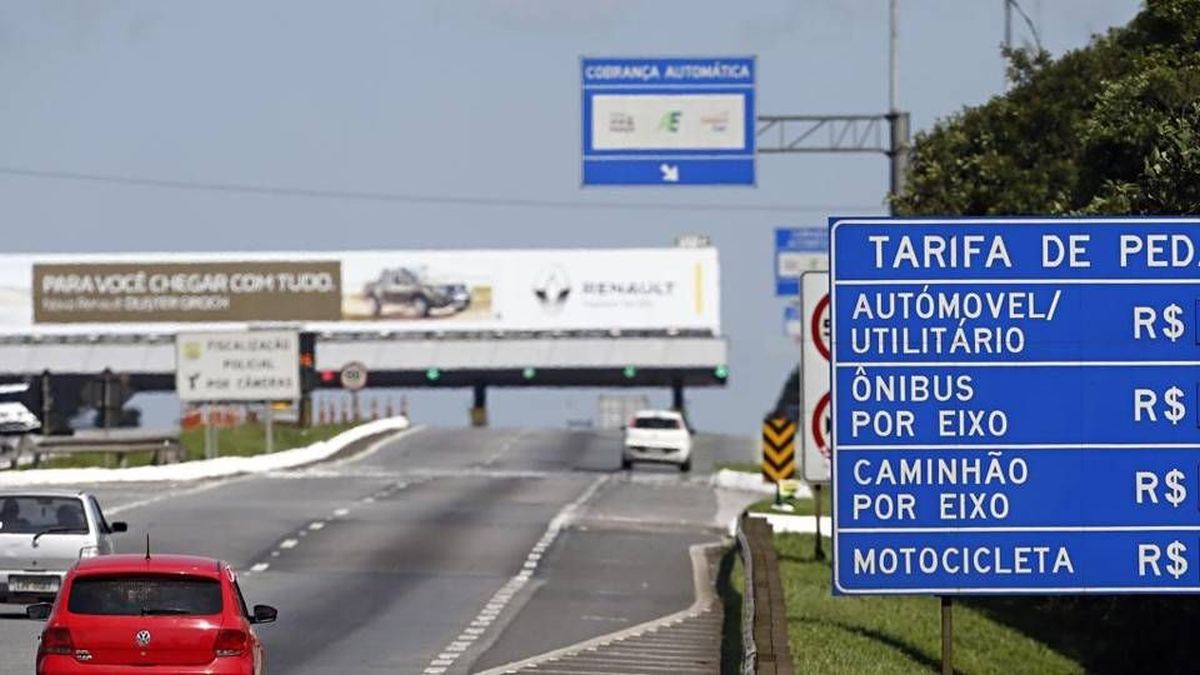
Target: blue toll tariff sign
[(678, 121), (1016, 405)]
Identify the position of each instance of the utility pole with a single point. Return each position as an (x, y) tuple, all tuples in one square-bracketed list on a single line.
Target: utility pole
[(898, 122), (849, 133), (893, 67), (1008, 24), (1007, 39)]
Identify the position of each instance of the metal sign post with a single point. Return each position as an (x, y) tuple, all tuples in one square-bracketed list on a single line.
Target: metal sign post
[(1015, 406), (268, 422), (818, 545), (210, 447), (947, 635)]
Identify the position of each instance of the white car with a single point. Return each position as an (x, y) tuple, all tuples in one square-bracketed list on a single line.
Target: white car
[(15, 418), (660, 436), (44, 533)]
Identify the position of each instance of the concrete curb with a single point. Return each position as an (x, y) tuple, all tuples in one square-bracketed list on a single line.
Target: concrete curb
[(221, 467)]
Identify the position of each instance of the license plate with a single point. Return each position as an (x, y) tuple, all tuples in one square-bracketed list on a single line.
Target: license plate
[(32, 584)]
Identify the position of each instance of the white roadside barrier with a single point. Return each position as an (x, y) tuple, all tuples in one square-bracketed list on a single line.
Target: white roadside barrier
[(751, 482), (220, 467)]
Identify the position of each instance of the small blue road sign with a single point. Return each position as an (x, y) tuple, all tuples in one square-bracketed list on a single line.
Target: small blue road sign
[(799, 250)]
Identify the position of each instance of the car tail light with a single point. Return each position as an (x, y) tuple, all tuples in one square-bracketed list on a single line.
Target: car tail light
[(231, 642), (56, 641)]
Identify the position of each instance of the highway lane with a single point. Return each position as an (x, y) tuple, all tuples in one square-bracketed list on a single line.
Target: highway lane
[(379, 563)]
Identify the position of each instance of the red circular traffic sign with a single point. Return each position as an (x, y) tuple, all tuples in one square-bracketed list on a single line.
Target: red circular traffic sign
[(821, 421), (820, 338)]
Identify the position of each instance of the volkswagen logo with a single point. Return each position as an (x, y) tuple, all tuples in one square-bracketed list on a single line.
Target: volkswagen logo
[(552, 287), (142, 638)]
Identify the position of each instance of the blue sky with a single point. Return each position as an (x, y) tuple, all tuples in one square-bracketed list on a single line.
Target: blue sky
[(459, 99)]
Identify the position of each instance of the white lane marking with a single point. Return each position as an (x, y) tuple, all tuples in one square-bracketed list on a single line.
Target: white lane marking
[(316, 525), (496, 604), (338, 513), (704, 597), (288, 543), (260, 567)]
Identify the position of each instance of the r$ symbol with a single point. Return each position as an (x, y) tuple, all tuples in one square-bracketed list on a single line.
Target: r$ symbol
[(1175, 410), (1174, 329), (1178, 565), (1176, 492)]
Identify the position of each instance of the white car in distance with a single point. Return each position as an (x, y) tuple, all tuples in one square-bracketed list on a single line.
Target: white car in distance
[(659, 436)]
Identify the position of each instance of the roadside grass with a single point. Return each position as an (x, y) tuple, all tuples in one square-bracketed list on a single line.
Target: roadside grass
[(240, 441), (895, 634), (249, 439), (803, 507)]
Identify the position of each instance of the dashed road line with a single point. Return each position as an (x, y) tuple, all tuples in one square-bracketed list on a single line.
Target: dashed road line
[(496, 604), (292, 542)]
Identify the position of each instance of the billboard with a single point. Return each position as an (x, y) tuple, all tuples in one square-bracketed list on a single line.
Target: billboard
[(470, 290)]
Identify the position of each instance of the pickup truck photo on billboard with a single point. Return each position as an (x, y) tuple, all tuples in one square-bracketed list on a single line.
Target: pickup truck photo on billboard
[(412, 293)]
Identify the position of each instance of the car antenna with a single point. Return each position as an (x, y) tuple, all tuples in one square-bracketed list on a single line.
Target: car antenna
[(147, 546)]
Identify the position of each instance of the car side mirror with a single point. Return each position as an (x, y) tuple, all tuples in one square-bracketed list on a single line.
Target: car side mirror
[(264, 614), (119, 526), (39, 612)]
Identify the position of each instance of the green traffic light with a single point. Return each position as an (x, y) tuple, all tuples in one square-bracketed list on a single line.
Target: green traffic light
[(529, 373), (630, 372), (433, 374), (721, 372)]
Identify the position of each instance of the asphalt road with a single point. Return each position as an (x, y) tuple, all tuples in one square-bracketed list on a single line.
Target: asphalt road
[(441, 551)]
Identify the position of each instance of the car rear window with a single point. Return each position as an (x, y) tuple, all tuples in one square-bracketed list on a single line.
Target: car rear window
[(145, 595), (656, 423), (30, 514)]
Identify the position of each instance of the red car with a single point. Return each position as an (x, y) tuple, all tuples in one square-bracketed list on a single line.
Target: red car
[(123, 614)]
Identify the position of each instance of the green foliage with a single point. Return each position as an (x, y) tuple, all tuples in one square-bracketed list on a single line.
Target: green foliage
[(1111, 128), (898, 634)]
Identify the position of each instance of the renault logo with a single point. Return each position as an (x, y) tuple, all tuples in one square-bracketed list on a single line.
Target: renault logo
[(552, 287), (142, 638)]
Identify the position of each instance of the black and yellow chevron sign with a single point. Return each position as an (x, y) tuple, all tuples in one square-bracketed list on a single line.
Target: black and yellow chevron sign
[(778, 449)]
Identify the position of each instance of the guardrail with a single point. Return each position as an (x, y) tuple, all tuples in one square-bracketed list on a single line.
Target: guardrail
[(764, 615), (120, 443)]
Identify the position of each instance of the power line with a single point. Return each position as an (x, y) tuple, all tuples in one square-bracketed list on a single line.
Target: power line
[(363, 195)]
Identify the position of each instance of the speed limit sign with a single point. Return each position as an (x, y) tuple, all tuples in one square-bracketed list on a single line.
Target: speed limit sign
[(814, 361), (354, 376)]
